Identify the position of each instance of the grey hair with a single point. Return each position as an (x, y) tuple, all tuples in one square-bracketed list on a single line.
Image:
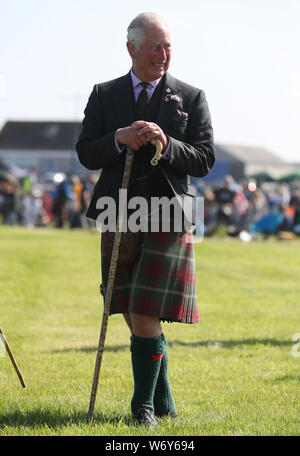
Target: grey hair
[(137, 28)]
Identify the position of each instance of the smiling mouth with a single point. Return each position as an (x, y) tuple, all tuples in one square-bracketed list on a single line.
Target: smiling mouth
[(159, 65)]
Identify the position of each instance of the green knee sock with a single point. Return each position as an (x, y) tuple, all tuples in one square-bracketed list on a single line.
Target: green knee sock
[(163, 400), (146, 355)]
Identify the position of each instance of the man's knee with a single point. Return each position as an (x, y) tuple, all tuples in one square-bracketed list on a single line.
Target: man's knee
[(145, 326)]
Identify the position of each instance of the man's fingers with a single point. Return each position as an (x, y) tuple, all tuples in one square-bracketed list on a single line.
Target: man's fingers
[(148, 130), (153, 134), (143, 132), (139, 123), (135, 145), (138, 141)]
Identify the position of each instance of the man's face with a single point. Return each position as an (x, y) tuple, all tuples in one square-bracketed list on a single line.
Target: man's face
[(152, 59)]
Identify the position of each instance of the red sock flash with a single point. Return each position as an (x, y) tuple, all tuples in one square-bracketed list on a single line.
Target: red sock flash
[(157, 357)]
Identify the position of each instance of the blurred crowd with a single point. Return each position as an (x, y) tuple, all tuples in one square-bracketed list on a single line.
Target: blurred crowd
[(248, 209), (56, 200), (244, 209)]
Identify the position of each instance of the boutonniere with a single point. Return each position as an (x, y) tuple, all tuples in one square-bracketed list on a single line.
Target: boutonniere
[(171, 97), (176, 101)]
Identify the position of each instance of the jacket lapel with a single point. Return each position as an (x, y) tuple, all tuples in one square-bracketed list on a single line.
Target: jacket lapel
[(168, 107), (123, 99)]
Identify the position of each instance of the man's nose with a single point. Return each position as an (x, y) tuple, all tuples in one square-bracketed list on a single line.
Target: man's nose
[(163, 54)]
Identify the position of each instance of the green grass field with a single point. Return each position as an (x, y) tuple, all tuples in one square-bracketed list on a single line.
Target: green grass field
[(236, 373)]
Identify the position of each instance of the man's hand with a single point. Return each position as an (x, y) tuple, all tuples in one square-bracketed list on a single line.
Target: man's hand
[(129, 136), (150, 131), (139, 134)]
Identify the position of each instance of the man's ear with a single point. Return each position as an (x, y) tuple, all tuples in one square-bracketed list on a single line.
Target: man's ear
[(131, 49)]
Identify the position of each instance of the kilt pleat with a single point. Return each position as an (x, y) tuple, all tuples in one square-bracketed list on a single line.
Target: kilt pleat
[(162, 280)]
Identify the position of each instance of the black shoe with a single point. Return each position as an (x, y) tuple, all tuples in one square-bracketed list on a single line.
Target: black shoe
[(166, 415), (144, 416)]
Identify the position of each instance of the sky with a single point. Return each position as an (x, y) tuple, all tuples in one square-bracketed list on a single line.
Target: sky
[(244, 54)]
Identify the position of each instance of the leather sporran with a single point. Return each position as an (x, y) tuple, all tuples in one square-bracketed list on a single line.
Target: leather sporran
[(130, 245)]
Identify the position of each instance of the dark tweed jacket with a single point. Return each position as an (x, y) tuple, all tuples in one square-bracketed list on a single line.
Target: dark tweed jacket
[(182, 114)]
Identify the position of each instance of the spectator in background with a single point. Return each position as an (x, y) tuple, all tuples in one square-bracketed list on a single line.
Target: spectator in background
[(32, 208), (258, 205), (76, 210), (240, 209), (211, 209), (47, 207), (279, 197), (295, 204), (63, 204), (224, 195), (8, 202), (86, 194)]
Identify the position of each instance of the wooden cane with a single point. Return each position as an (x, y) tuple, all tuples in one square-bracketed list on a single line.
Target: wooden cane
[(111, 277), (12, 358)]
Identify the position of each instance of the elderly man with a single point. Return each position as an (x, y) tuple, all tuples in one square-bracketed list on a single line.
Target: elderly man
[(159, 284)]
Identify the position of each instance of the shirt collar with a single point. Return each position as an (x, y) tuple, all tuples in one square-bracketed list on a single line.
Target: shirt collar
[(136, 81)]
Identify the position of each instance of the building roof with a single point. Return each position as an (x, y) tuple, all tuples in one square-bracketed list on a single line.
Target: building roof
[(224, 155), (246, 154), (32, 135)]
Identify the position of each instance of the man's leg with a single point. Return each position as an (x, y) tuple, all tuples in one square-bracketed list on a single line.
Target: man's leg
[(145, 326), (146, 354), (162, 401)]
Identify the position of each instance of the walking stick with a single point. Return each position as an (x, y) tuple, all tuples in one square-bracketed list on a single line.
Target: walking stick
[(111, 276), (12, 358)]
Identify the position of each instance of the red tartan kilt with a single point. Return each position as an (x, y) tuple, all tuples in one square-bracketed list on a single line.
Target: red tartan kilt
[(161, 282)]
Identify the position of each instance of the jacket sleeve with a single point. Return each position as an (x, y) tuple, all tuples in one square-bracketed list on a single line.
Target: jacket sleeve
[(196, 154), (95, 148)]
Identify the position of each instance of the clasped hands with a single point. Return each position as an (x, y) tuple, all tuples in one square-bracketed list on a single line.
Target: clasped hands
[(141, 133)]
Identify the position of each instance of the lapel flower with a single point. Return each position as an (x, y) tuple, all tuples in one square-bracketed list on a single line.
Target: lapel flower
[(176, 104), (175, 98), (171, 97)]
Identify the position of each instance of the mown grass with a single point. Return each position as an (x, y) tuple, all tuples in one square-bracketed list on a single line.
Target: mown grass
[(233, 374)]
